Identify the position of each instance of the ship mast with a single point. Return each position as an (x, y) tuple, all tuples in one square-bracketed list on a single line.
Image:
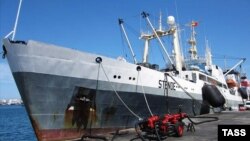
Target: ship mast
[(160, 33), (192, 42), (156, 35), (208, 55), (148, 37), (176, 43)]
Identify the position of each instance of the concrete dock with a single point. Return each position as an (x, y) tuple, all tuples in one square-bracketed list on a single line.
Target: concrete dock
[(203, 132)]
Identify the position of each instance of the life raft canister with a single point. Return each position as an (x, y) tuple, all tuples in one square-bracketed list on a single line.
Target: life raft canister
[(231, 83)]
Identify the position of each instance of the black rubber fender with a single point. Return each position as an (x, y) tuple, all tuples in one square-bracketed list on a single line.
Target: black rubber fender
[(212, 95), (243, 92), (205, 108)]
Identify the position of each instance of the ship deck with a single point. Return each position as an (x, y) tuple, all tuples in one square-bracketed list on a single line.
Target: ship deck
[(203, 132)]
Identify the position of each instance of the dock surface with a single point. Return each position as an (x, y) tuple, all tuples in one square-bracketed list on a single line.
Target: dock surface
[(203, 132)]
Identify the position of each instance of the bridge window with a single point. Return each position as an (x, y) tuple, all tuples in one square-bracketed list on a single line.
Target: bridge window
[(194, 77), (202, 77)]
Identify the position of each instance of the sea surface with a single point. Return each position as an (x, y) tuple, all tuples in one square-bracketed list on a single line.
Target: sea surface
[(15, 124)]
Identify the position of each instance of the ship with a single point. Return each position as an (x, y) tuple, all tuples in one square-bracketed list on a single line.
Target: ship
[(69, 93)]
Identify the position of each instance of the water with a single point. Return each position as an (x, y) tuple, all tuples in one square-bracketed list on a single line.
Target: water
[(15, 124)]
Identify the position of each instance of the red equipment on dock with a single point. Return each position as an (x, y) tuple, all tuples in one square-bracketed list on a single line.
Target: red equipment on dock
[(161, 127)]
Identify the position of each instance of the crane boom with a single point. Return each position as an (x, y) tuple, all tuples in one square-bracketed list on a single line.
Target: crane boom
[(236, 65), (128, 42)]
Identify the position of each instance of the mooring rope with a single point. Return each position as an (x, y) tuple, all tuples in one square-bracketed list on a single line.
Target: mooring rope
[(93, 102), (193, 99), (117, 93), (143, 91), (166, 93)]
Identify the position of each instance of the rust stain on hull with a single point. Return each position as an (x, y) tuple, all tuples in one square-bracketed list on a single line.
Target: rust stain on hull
[(68, 118), (81, 111), (36, 129)]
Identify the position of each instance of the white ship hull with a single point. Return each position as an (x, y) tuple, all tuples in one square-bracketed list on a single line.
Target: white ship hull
[(65, 90)]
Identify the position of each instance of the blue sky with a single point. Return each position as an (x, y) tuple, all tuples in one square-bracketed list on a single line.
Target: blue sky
[(92, 26)]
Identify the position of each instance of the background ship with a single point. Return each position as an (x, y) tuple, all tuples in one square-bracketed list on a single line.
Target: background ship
[(68, 93)]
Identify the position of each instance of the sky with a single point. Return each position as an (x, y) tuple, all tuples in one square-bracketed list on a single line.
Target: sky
[(92, 26)]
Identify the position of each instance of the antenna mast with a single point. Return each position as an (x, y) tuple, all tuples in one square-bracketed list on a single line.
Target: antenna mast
[(208, 55), (128, 42), (160, 23)]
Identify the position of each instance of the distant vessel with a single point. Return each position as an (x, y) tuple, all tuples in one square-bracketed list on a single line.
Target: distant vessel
[(68, 93)]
